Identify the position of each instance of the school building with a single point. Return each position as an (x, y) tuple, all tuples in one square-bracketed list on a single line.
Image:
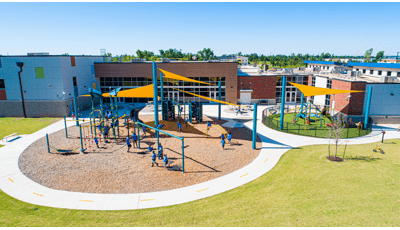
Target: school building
[(47, 83)]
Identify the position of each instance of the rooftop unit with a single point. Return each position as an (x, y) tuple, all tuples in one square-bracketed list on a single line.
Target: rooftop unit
[(388, 79), (38, 54), (138, 60)]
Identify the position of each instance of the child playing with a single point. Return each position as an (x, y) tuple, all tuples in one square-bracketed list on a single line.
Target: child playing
[(208, 125), (153, 160), (160, 152), (179, 126), (134, 138), (73, 115), (223, 143), (144, 131), (186, 121), (222, 137), (106, 128), (166, 160), (229, 138), (128, 143), (97, 142), (150, 148)]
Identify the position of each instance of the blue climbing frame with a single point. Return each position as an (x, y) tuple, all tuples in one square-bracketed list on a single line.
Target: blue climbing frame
[(158, 130)]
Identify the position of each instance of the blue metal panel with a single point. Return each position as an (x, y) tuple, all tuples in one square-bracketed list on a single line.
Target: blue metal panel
[(375, 65), (322, 62), (92, 69), (1, 66)]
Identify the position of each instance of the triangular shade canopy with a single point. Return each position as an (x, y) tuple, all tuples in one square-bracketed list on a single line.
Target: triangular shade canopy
[(314, 91), (207, 98), (142, 92), (180, 78)]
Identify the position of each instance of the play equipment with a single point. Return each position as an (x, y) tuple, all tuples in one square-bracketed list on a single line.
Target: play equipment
[(272, 112), (376, 149), (223, 131)]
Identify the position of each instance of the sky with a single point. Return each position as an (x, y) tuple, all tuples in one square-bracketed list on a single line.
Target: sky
[(263, 28)]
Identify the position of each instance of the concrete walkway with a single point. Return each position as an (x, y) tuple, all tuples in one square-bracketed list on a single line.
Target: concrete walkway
[(275, 144)]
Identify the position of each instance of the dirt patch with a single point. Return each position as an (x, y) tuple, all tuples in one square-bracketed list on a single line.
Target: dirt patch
[(333, 158), (111, 169)]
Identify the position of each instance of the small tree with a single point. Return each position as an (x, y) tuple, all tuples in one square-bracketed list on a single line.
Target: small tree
[(335, 133)]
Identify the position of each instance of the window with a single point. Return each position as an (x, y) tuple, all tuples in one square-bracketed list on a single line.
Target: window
[(379, 72), (74, 81), (364, 71), (357, 69), (2, 85), (371, 72), (39, 72), (328, 100), (313, 81), (389, 73), (312, 100), (329, 84)]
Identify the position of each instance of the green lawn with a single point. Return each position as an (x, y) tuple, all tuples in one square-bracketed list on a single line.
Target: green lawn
[(303, 189), (9, 125), (313, 130)]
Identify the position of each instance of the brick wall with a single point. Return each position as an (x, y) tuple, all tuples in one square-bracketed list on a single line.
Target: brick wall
[(186, 69), (3, 95), (343, 104), (264, 87)]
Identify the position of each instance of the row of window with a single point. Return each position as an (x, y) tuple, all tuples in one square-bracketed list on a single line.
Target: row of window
[(143, 81), (364, 71)]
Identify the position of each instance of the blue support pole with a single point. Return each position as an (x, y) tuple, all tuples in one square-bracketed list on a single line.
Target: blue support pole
[(138, 134), (155, 99), (65, 125), (254, 126), (283, 102), (183, 155), (76, 110), (48, 146), (368, 107), (219, 98), (162, 95), (80, 134)]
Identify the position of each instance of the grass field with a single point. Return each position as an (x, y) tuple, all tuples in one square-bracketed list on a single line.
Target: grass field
[(9, 125), (303, 189), (313, 130)]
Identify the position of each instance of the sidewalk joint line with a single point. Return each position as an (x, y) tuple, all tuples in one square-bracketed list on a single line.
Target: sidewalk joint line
[(147, 200), (244, 175), (202, 190)]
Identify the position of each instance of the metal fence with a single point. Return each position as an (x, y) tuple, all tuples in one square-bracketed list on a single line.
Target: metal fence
[(311, 131)]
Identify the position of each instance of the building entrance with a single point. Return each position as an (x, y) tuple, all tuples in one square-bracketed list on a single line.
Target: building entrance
[(213, 95)]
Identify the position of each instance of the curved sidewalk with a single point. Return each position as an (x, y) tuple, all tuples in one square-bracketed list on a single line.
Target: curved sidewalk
[(15, 184)]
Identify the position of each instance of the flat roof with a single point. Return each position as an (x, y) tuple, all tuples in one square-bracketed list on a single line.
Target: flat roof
[(3, 56), (323, 62), (375, 65)]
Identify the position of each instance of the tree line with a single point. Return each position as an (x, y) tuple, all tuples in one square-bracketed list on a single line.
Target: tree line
[(282, 61)]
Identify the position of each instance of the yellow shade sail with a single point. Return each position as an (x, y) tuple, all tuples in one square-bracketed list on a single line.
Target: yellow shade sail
[(207, 98), (314, 91), (178, 77), (142, 92)]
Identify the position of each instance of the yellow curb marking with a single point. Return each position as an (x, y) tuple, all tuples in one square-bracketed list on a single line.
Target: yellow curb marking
[(37, 194), (266, 160), (86, 200), (202, 190), (147, 200), (11, 180), (244, 175), (309, 141)]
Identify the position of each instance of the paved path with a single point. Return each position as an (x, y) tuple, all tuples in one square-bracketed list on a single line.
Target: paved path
[(15, 184)]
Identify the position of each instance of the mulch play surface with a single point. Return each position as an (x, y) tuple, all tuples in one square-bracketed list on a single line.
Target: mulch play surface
[(110, 169)]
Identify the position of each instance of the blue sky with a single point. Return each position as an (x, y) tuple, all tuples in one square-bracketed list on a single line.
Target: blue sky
[(263, 28)]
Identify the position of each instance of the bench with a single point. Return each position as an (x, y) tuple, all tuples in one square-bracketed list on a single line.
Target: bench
[(11, 135)]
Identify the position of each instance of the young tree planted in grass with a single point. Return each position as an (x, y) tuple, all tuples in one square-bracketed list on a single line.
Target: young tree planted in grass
[(336, 131)]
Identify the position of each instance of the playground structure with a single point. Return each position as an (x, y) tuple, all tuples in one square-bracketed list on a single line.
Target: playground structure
[(308, 91)]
